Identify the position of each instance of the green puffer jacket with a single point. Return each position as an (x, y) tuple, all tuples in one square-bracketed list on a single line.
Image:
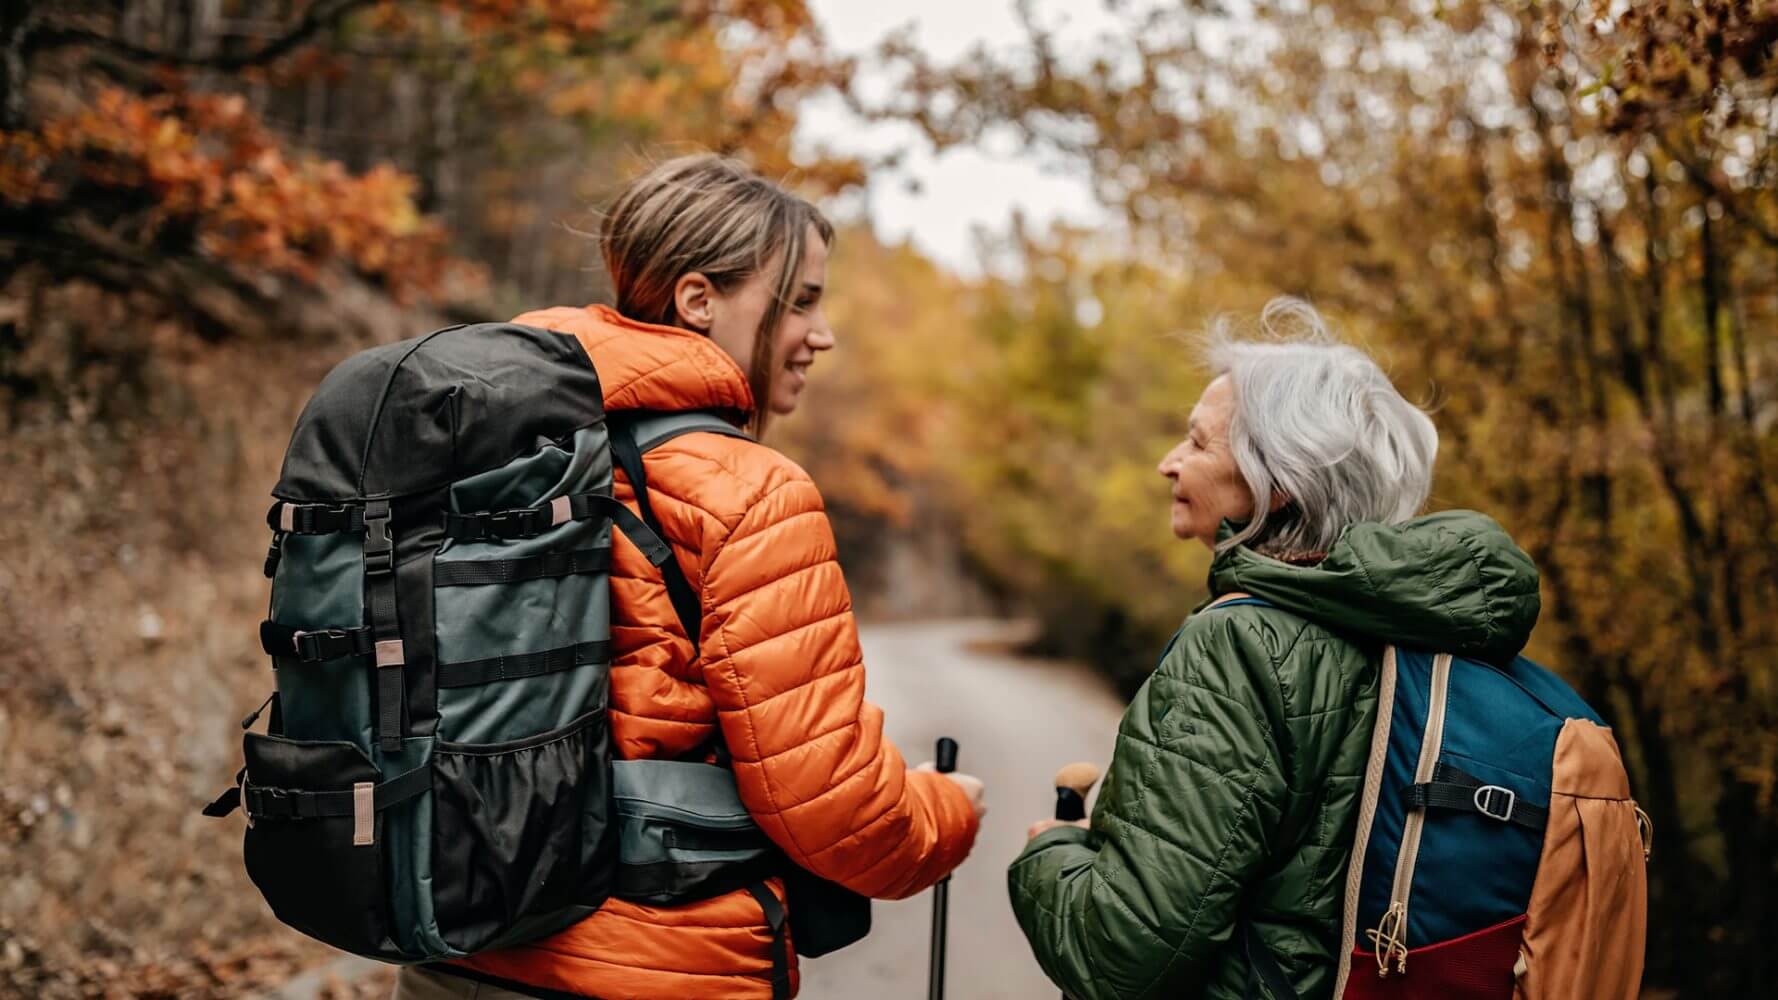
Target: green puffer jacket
[(1232, 793)]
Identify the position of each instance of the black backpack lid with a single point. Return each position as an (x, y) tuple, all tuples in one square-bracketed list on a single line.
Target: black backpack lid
[(411, 416)]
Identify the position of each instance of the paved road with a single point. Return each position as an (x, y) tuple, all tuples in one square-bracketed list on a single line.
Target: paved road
[(1017, 721)]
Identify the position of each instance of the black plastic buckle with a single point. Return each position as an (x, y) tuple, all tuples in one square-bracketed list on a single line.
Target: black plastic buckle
[(379, 545), (519, 523), (268, 803), (319, 644)]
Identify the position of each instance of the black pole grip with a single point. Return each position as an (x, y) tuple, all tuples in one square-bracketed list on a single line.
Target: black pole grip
[(1069, 805), (941, 894), (947, 755)]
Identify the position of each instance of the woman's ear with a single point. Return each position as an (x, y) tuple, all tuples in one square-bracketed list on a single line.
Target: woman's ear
[(1279, 502), (694, 301)]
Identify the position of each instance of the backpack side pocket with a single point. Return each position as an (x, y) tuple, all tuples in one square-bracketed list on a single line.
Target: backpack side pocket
[(683, 833), (1588, 919), (321, 871)]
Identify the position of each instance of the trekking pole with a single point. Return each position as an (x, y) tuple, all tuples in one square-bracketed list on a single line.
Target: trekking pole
[(941, 893), (1072, 785)]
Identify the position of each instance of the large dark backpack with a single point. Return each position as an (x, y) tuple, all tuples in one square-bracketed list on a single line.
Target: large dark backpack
[(437, 776)]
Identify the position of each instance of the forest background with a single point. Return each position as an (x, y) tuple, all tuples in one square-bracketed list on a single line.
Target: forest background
[(1554, 220)]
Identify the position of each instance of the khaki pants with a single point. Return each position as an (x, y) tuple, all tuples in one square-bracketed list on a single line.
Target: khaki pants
[(414, 983)]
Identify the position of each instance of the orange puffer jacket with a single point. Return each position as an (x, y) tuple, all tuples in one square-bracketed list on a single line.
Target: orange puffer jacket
[(781, 674)]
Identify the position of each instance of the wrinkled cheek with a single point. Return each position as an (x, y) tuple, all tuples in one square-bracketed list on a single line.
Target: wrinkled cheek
[(1239, 505)]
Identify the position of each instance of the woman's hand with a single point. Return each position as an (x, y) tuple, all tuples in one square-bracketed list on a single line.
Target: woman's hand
[(1050, 824), (972, 786)]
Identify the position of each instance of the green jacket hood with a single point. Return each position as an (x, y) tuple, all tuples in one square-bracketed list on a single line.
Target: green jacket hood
[(1452, 581)]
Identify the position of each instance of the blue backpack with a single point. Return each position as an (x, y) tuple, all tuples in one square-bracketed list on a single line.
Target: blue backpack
[(1498, 851)]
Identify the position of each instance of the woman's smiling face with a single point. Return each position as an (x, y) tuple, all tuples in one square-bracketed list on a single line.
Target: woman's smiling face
[(1206, 484), (802, 331)]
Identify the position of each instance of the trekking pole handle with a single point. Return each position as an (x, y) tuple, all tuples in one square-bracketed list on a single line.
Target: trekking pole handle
[(947, 755), (941, 893), (1072, 785)]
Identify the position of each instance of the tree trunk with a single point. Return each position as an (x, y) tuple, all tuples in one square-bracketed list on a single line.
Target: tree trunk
[(15, 31)]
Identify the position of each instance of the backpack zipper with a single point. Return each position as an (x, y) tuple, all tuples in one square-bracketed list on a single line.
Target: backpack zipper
[(1391, 934), (1367, 814)]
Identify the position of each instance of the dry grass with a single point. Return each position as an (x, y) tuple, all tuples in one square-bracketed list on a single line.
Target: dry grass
[(133, 486)]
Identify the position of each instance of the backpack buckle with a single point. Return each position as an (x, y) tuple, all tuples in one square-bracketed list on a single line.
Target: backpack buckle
[(308, 645), (267, 801), (379, 545), (322, 645), (1488, 795), (522, 522)]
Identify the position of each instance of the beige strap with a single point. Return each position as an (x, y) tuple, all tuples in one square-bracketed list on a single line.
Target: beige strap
[(390, 653), (364, 814)]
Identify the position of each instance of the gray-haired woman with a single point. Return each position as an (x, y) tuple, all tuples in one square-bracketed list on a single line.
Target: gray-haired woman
[(1229, 808)]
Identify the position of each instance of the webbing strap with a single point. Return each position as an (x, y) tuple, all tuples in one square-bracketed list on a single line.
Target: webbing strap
[(679, 589), (548, 564), (645, 536), (265, 802), (774, 911), (385, 626), (469, 673), (528, 522), (1451, 788), (314, 518), (228, 801), (313, 645), (491, 525)]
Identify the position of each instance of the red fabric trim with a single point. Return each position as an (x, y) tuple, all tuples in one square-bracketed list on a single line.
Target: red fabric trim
[(1477, 966)]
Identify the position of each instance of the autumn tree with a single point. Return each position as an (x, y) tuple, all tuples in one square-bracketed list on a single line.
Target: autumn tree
[(193, 151)]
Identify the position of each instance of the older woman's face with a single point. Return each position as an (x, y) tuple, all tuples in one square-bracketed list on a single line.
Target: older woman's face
[(1207, 486)]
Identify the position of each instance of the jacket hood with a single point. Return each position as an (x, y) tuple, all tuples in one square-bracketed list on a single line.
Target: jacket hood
[(1452, 581), (643, 366)]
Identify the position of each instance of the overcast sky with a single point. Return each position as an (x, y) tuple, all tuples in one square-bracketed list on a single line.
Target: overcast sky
[(965, 187)]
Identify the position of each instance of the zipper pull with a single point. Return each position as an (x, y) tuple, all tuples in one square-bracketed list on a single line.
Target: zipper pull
[(273, 554), (1390, 939), (248, 722)]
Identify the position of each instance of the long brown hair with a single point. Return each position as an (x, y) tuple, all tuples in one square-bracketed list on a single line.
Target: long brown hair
[(711, 215)]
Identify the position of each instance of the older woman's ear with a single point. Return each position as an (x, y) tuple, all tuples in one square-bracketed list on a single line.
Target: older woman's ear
[(1279, 501)]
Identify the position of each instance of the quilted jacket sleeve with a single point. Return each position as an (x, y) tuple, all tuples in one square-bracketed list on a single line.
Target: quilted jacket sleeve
[(781, 659), (1142, 904)]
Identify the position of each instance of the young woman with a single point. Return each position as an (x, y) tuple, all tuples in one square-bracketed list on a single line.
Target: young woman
[(719, 277)]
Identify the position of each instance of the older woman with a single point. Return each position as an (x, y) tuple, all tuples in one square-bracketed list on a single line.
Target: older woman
[(1228, 812)]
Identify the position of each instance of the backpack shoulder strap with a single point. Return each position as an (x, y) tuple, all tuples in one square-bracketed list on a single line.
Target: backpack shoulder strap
[(653, 429), (635, 433)]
